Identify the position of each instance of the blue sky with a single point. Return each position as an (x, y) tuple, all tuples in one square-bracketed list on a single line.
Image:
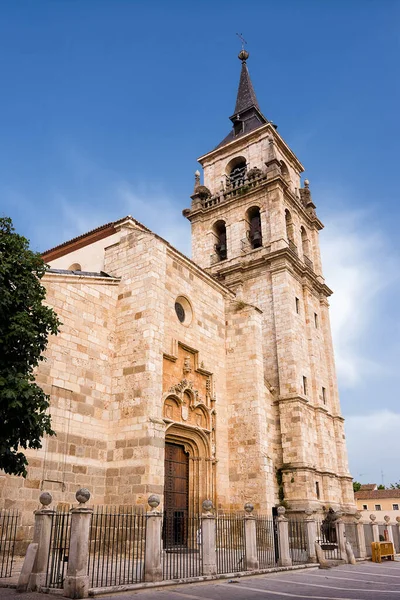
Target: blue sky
[(105, 106)]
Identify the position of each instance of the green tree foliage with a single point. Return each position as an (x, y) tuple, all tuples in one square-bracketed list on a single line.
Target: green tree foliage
[(395, 486), (381, 487), (25, 324), (356, 486)]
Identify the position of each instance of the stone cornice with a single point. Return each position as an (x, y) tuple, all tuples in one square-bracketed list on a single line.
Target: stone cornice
[(305, 467)]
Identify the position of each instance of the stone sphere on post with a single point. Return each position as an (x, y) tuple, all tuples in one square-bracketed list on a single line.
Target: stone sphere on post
[(309, 512), (82, 495), (45, 499), (153, 501), (281, 511), (249, 507), (357, 515), (207, 506), (386, 518), (372, 517), (398, 520)]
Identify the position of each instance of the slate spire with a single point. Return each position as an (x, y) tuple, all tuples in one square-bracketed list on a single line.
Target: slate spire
[(247, 115), (246, 97)]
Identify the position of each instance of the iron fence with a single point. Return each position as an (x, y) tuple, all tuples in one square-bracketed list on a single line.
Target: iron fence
[(117, 546), (368, 538), (298, 541), (8, 532), (350, 530), (231, 549), (182, 549), (267, 542), (327, 539), (59, 548), (382, 535)]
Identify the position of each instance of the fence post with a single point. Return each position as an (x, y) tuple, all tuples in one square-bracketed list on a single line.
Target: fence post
[(152, 563), (283, 536), (389, 528), (208, 539), (250, 536), (341, 539), (311, 535), (76, 583), (42, 537), (375, 528), (360, 536), (398, 530)]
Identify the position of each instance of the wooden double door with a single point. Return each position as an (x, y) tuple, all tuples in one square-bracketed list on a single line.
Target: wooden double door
[(176, 496)]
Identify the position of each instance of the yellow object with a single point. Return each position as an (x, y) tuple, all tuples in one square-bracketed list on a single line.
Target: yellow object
[(382, 549)]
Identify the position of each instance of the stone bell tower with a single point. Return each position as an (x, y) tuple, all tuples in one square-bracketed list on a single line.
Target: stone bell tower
[(255, 228)]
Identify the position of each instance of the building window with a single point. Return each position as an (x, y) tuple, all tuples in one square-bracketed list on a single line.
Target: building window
[(75, 267), (324, 395), (365, 506), (220, 246), (305, 386), (254, 223), (236, 173), (395, 507), (297, 306), (316, 320), (378, 507), (317, 489), (183, 310), (290, 231)]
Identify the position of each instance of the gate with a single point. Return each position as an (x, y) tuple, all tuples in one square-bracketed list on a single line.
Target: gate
[(231, 549), (59, 549), (8, 532), (182, 555), (327, 539), (298, 542), (396, 537), (117, 546), (368, 538), (265, 539)]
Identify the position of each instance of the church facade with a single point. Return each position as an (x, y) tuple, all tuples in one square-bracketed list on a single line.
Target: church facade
[(205, 378)]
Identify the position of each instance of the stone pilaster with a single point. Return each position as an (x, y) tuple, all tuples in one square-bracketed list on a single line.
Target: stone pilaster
[(208, 539), (285, 559), (76, 584), (250, 538), (41, 536), (153, 566)]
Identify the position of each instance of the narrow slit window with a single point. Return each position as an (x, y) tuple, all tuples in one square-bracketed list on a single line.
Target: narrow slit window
[(297, 306), (317, 489), (316, 320), (324, 395), (305, 385)]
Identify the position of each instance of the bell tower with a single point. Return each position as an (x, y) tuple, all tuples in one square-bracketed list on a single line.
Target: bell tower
[(255, 228)]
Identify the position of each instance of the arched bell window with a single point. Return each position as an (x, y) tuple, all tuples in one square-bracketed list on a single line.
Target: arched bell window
[(75, 267), (305, 243), (220, 246), (254, 233), (290, 231), (236, 172), (285, 172)]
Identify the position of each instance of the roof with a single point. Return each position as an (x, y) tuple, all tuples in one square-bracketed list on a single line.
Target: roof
[(247, 116), (82, 273), (88, 238), (368, 486), (376, 494), (108, 229)]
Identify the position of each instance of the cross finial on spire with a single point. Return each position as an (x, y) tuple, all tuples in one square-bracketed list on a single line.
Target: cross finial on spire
[(243, 54)]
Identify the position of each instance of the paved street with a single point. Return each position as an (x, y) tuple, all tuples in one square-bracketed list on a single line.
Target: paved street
[(366, 581)]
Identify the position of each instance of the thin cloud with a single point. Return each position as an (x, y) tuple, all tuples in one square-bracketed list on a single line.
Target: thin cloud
[(356, 266)]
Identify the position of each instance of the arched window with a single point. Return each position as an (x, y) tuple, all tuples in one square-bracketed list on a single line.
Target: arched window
[(305, 244), (236, 172), (285, 172), (254, 227), (220, 246), (289, 226), (75, 267)]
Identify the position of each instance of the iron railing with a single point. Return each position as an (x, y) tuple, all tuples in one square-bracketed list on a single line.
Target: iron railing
[(117, 546), (267, 542), (350, 530), (182, 549), (368, 538), (8, 532), (298, 541), (327, 539), (231, 549), (59, 549)]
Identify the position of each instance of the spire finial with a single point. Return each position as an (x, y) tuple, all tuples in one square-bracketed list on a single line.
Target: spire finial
[(243, 54)]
